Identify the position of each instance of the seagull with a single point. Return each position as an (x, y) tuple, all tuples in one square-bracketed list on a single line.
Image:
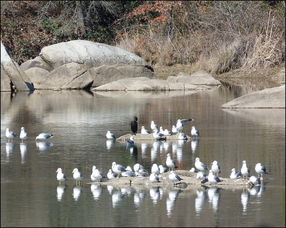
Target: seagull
[(117, 168), (245, 172), (199, 165), (128, 173), (60, 175), (144, 131), (140, 170), (212, 178), (159, 136), (166, 132), (111, 174), (171, 164), (153, 126), (174, 177), (10, 134), (260, 169), (163, 169), (234, 174), (95, 175), (195, 132), (77, 175), (254, 181), (154, 177), (155, 169), (215, 167), (201, 175), (180, 124), (44, 136), (110, 135), (23, 134), (134, 125), (137, 166), (182, 136), (130, 141), (174, 129)]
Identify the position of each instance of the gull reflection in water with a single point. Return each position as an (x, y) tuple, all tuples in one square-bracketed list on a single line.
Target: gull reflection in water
[(244, 200), (109, 189), (194, 145), (143, 149), (9, 148), (96, 191), (42, 146), (60, 192), (138, 198), (23, 151), (213, 195), (174, 148), (109, 143), (166, 146), (155, 194), (170, 201), (76, 192), (154, 150), (116, 198), (257, 190), (199, 201), (126, 191)]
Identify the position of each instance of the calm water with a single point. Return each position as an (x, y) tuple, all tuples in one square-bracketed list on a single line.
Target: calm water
[(30, 195)]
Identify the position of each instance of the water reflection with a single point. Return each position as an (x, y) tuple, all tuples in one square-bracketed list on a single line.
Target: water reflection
[(194, 144), (213, 195), (244, 201), (199, 201), (109, 143), (76, 192), (60, 192), (138, 198), (42, 146), (23, 151), (143, 150), (96, 191), (116, 197), (10, 147), (156, 194), (170, 201)]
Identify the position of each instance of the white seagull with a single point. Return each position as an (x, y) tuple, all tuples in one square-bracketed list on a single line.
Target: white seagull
[(180, 124), (23, 134), (155, 169), (212, 178), (117, 168), (128, 173), (144, 131), (10, 134), (182, 136), (195, 132), (171, 164), (44, 136), (163, 169), (215, 167), (154, 178), (77, 175), (60, 175), (260, 169), (254, 181), (234, 174), (153, 126), (245, 172), (200, 165), (110, 135), (174, 177), (111, 174), (174, 129), (95, 175)]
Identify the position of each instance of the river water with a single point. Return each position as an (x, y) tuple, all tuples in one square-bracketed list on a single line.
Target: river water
[(31, 196)]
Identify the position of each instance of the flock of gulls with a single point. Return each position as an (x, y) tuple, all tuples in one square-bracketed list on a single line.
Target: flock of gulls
[(202, 171)]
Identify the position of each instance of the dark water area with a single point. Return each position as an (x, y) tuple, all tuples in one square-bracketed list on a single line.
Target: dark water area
[(31, 196)]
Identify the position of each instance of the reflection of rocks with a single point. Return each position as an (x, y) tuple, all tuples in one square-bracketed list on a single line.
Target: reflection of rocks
[(271, 117), (267, 98)]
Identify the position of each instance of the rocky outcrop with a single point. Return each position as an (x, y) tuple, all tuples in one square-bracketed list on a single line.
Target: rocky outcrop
[(88, 53), (5, 82), (267, 98), (36, 62), (19, 79)]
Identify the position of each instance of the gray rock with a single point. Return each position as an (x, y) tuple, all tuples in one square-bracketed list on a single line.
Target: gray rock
[(19, 79), (87, 52), (197, 78), (36, 62), (38, 76), (109, 73), (267, 98), (5, 82), (67, 76)]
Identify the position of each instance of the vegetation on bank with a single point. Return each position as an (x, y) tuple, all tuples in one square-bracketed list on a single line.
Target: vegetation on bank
[(217, 36)]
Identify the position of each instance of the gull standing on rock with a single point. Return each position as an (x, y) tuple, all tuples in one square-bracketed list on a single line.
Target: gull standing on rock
[(212, 178), (245, 172), (180, 124), (199, 165), (174, 177), (174, 129), (171, 164), (154, 126), (154, 177), (234, 174), (117, 168), (110, 135), (111, 174), (23, 134), (215, 167), (155, 169), (144, 131), (10, 134)]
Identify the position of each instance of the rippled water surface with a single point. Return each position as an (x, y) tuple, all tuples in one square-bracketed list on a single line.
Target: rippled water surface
[(31, 196)]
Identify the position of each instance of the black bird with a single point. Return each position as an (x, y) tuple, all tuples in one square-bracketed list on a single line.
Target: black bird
[(134, 125)]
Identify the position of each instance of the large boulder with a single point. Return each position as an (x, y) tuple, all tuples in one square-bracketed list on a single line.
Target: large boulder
[(88, 53), (267, 98), (19, 79), (147, 84), (38, 76), (36, 62), (108, 73), (197, 78), (67, 76)]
